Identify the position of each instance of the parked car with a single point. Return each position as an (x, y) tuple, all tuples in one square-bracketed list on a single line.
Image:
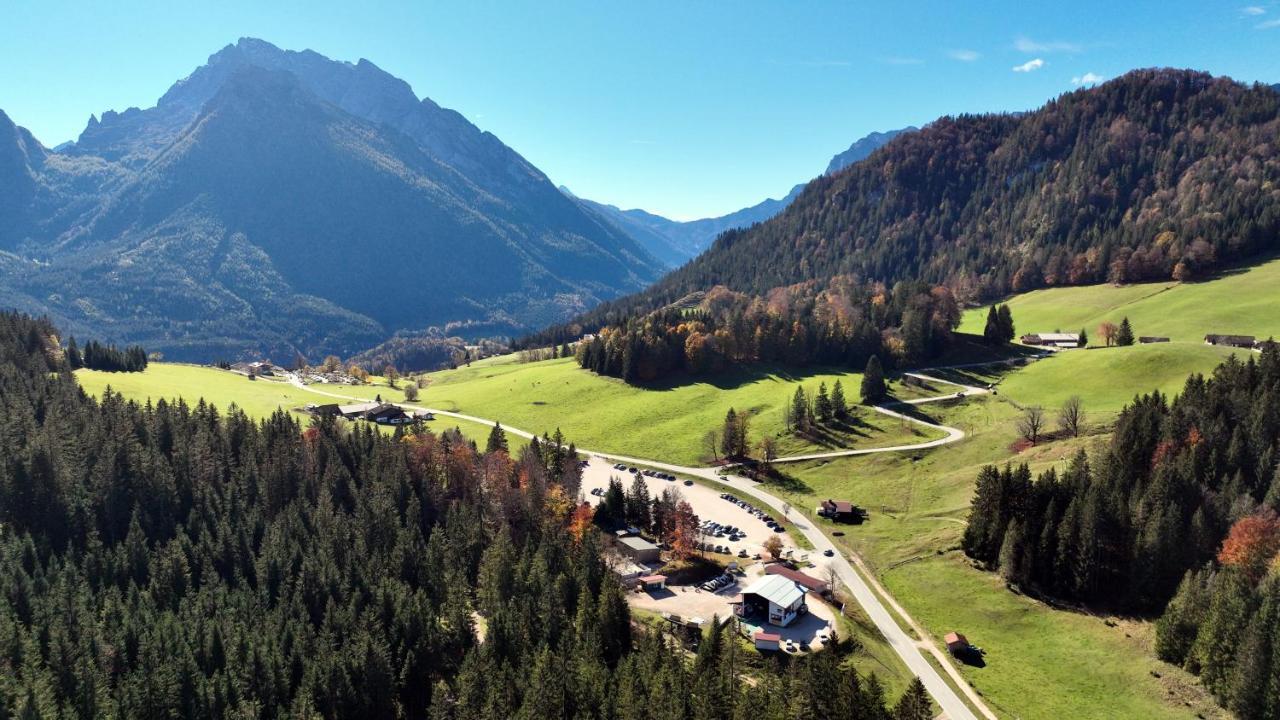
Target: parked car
[(688, 483), (828, 552)]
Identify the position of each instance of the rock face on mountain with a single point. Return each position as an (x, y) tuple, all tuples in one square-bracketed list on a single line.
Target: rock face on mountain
[(283, 202), (675, 242), (862, 148)]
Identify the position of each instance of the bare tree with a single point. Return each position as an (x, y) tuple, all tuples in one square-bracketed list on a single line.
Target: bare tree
[(768, 448), (1108, 331), (711, 441), (831, 576), (786, 509), (1031, 424), (1071, 416)]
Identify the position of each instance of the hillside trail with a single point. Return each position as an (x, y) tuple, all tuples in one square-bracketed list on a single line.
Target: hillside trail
[(874, 599)]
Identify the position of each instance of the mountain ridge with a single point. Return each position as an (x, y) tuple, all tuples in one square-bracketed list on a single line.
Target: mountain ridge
[(280, 202)]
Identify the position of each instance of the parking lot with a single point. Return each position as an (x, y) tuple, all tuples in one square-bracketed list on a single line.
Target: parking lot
[(737, 529)]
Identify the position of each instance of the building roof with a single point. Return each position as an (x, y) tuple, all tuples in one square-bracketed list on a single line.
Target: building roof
[(357, 408), (954, 637), (1055, 337), (776, 589), (637, 543), (762, 636), (843, 506), (808, 582), (1230, 338)]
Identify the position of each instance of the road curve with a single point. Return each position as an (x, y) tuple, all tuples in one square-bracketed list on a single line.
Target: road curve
[(907, 648)]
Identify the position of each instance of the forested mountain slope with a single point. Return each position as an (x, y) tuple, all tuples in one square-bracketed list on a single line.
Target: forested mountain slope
[(1160, 173), (282, 202)]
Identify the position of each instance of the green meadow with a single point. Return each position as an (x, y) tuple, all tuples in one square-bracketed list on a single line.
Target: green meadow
[(1238, 302), (222, 389), (664, 421)]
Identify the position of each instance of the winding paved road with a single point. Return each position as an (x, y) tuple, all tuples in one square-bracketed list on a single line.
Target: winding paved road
[(861, 581)]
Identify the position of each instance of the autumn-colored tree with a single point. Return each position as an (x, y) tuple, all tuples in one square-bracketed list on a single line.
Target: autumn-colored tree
[(332, 363), (580, 521), (773, 546), (768, 449), (684, 531), (358, 373), (1252, 543), (391, 374), (1109, 331)]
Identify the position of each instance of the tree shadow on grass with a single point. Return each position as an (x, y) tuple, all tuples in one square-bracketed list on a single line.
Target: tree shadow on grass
[(739, 376)]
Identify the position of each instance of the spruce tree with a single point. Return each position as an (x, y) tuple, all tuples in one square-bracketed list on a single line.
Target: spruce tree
[(1007, 332), (497, 439), (839, 405), (822, 404), (914, 703), (1125, 336), (993, 334), (873, 385)]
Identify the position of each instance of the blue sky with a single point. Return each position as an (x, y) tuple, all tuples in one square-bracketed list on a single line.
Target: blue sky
[(687, 109)]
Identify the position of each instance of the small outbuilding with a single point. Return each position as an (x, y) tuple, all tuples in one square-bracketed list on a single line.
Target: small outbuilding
[(767, 641), (1148, 339), (653, 582), (957, 644), (637, 549), (841, 511)]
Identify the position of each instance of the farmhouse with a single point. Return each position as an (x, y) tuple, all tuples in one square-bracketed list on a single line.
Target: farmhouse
[(1240, 341), (1148, 339), (774, 598), (328, 410), (381, 413), (808, 582), (1055, 339), (841, 511), (638, 549)]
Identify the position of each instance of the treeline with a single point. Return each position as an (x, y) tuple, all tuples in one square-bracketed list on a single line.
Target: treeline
[(843, 323), (1180, 505), (96, 356), (172, 561)]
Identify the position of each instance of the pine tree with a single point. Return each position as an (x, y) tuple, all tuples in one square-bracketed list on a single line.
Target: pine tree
[(1007, 331), (822, 404), (993, 333), (497, 439), (839, 405), (1125, 336), (873, 385), (914, 703)]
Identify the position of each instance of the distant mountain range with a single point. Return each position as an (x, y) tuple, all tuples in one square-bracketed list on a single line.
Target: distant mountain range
[(1157, 174), (281, 202), (675, 242)]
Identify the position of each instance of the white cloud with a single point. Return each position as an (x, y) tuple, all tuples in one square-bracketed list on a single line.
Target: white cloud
[(1268, 25), (1087, 79), (896, 60), (1029, 65), (1253, 10), (1027, 45), (964, 55)]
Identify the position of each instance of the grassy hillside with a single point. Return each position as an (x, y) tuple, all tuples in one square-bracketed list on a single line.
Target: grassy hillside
[(1106, 379), (1240, 302), (1079, 665), (257, 398), (662, 422)]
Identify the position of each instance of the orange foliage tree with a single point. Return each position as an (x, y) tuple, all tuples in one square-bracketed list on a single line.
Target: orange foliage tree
[(1252, 543), (684, 532), (580, 521)]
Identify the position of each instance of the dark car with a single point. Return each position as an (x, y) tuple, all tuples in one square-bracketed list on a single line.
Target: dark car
[(688, 483), (828, 552)]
